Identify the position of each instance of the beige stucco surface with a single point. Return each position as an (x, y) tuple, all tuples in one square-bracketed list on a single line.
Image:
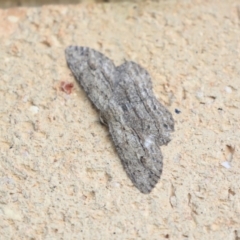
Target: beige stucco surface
[(60, 176)]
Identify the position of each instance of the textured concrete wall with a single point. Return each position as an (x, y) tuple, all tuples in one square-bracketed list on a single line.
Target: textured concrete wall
[(32, 3), (60, 176)]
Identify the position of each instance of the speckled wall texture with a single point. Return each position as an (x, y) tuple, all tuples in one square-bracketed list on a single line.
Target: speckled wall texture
[(60, 176)]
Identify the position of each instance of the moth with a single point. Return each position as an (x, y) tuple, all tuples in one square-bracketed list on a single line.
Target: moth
[(138, 123)]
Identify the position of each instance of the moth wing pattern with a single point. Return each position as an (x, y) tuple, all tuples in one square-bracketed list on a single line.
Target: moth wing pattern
[(137, 122), (141, 161), (141, 128), (94, 71), (138, 83)]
